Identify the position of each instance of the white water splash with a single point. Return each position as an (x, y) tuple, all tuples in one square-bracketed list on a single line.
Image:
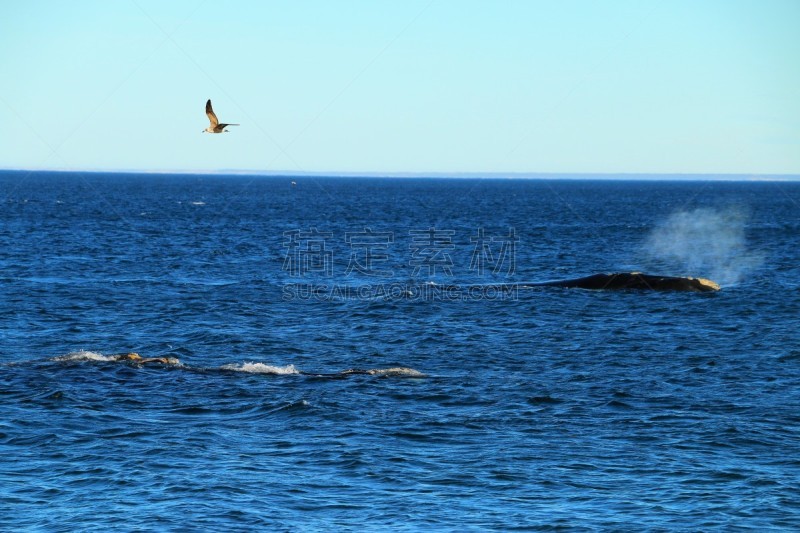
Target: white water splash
[(704, 242), (261, 368), (84, 355)]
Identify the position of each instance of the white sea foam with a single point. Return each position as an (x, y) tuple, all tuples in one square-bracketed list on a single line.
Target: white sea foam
[(84, 355), (261, 368)]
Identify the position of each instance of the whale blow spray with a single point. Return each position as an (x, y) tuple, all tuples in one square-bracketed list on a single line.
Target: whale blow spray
[(704, 242)]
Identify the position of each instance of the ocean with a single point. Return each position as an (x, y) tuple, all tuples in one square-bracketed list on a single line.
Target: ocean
[(363, 354)]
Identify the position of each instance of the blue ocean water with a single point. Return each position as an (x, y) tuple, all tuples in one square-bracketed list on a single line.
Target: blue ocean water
[(475, 408)]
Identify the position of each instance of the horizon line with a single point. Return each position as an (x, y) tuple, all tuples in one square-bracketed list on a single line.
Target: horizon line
[(709, 176)]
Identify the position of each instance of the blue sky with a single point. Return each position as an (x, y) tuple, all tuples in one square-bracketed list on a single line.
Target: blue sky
[(409, 86)]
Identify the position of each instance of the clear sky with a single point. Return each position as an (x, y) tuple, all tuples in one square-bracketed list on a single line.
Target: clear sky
[(667, 86)]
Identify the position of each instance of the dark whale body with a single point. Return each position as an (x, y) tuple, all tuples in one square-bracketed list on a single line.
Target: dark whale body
[(635, 281), (617, 281)]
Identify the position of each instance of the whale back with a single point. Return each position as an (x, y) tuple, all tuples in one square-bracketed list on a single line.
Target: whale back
[(638, 281)]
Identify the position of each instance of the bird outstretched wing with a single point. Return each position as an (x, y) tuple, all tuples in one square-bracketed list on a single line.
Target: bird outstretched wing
[(211, 116)]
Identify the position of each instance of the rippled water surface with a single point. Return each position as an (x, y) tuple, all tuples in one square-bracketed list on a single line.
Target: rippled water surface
[(467, 409)]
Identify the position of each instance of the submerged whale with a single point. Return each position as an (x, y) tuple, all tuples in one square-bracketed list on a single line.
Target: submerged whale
[(397, 371), (635, 281), (251, 368), (134, 357)]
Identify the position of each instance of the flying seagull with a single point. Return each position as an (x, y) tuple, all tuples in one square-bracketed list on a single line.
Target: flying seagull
[(215, 126)]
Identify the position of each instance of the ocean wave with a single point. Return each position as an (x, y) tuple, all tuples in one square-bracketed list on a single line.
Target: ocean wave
[(261, 368), (291, 406)]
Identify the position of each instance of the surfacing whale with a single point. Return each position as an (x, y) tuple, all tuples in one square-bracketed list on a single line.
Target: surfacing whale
[(635, 281), (134, 357)]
